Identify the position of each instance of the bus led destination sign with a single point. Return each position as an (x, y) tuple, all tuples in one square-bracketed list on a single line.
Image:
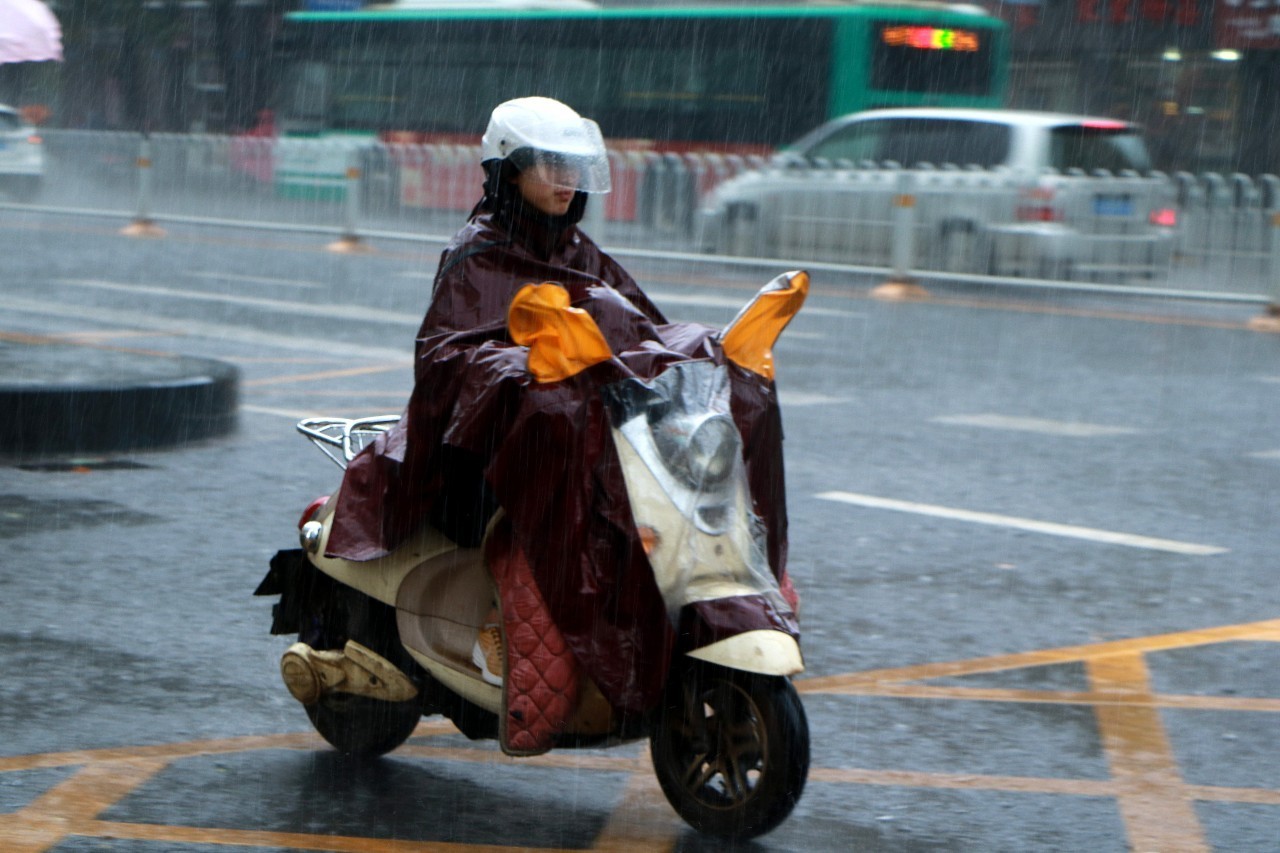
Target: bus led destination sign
[(929, 38)]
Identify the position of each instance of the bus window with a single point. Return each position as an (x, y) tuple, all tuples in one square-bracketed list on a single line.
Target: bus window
[(304, 95)]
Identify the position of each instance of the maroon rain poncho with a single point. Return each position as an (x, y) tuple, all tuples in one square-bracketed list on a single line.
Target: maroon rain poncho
[(478, 431)]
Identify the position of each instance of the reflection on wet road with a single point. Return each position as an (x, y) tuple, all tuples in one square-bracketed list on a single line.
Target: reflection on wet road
[(440, 792)]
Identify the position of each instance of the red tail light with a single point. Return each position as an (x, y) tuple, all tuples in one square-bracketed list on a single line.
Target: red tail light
[(1164, 216), (1036, 205), (34, 139), (1044, 213), (312, 509)]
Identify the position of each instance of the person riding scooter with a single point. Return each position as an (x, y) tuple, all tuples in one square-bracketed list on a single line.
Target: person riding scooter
[(486, 454)]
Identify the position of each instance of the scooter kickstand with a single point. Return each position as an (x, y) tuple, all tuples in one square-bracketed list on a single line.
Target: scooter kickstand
[(310, 674)]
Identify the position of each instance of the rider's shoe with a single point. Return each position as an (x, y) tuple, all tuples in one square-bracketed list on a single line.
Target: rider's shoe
[(486, 654)]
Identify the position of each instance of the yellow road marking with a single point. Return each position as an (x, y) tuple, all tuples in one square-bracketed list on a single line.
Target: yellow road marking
[(643, 819), (1222, 794), (47, 340), (1268, 630), (292, 414), (1060, 697), (1155, 803), (398, 397), (555, 760), (1025, 784), (212, 238), (291, 840), (322, 375), (965, 781), (107, 335), (64, 809), (239, 359), (165, 751)]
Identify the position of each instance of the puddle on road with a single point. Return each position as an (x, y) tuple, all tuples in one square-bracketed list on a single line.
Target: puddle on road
[(82, 466), (21, 515)]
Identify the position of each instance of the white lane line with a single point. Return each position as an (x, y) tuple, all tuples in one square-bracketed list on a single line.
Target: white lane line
[(296, 415), (176, 327), (343, 312), (1074, 429), (1266, 454), (1275, 380), (805, 398), (292, 414), (214, 275), (394, 398), (1108, 537)]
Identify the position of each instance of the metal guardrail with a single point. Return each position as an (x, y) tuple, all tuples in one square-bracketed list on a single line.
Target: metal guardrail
[(1227, 239)]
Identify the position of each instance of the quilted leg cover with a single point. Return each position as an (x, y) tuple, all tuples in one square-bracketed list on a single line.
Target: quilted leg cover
[(542, 676)]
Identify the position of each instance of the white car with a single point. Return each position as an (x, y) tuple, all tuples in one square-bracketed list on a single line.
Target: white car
[(991, 191), (21, 156)]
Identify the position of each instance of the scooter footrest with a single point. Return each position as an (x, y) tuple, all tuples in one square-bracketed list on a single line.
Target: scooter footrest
[(309, 674)]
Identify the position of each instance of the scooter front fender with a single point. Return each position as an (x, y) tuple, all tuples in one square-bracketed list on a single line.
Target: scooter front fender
[(764, 651)]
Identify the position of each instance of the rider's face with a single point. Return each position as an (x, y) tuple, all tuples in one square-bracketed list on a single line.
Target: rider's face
[(550, 198)]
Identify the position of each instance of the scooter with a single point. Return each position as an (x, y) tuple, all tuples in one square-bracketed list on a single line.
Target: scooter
[(384, 642)]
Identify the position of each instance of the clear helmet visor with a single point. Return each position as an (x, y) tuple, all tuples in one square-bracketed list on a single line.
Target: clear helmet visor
[(588, 174), (566, 155)]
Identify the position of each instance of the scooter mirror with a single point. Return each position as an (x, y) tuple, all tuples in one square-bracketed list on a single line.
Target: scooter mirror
[(563, 341), (749, 338)]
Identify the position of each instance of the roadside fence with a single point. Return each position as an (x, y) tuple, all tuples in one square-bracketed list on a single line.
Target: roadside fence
[(1220, 234)]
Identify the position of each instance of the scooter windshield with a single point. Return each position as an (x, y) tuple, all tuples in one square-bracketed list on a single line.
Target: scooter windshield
[(681, 457)]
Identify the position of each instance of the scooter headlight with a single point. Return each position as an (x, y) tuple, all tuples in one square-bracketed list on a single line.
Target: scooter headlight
[(711, 453)]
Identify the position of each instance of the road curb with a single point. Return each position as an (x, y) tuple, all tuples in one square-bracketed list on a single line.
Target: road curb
[(60, 399)]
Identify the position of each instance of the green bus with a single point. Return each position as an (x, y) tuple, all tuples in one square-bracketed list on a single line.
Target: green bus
[(716, 79)]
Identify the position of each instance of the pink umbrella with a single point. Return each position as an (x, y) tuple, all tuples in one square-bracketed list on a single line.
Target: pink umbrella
[(28, 32)]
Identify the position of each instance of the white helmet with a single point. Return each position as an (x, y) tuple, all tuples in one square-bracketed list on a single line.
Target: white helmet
[(548, 138)]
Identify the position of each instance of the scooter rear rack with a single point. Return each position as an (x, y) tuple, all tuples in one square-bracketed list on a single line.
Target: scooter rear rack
[(348, 435)]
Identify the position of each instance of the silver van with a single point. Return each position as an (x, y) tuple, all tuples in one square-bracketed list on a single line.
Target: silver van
[(991, 191)]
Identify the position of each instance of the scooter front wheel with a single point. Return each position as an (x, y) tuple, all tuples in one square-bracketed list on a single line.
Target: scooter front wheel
[(731, 750)]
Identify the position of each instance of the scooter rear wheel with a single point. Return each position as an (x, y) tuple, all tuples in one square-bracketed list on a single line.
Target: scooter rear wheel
[(358, 725), (731, 750), (363, 727)]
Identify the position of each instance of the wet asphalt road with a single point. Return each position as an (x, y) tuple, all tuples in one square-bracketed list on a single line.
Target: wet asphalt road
[(1033, 534)]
